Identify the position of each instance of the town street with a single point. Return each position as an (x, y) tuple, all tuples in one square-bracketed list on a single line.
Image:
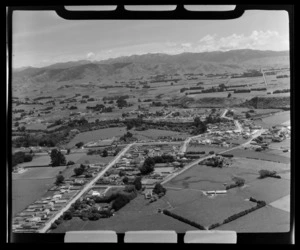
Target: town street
[(85, 189)]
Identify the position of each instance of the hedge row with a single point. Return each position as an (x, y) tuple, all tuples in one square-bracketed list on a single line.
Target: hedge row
[(260, 204), (182, 219)]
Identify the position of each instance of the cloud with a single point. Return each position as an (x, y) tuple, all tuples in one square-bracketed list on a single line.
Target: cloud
[(256, 40), (90, 56), (186, 45)]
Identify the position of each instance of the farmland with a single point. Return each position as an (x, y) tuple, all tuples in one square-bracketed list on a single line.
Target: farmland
[(96, 135), (27, 191), (264, 220), (163, 112), (136, 215), (259, 155)]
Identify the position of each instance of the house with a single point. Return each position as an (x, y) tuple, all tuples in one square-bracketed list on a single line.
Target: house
[(57, 196)]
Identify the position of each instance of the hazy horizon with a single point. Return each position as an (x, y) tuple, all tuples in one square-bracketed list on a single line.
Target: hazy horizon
[(42, 38), (84, 59)]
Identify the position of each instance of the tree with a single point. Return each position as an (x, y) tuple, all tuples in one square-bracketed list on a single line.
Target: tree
[(68, 151), (121, 102), (122, 173), (137, 183), (129, 126), (70, 163), (59, 179), (229, 95), (57, 158), (120, 202), (67, 215), (266, 173), (79, 144), (16, 124), (104, 153), (158, 188), (80, 170), (125, 180), (129, 135), (248, 116), (22, 129), (148, 166), (129, 188)]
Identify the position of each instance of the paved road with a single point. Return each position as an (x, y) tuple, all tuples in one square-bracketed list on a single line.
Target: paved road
[(209, 156), (86, 188)]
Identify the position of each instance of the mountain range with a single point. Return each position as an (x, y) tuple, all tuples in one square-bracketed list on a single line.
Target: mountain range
[(124, 68)]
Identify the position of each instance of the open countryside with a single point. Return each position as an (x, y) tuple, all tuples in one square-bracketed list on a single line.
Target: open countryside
[(198, 140)]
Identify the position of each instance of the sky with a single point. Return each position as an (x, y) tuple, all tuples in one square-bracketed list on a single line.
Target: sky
[(42, 38)]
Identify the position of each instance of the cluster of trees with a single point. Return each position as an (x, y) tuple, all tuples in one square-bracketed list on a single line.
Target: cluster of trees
[(108, 98), (200, 127), (238, 182), (72, 108), (77, 122), (182, 219), (194, 152), (57, 158), (213, 90), (43, 140), (159, 189), (80, 170), (100, 108), (126, 137), (215, 162), (282, 76), (259, 89), (79, 144), (278, 91), (56, 123), (267, 173), (149, 163), (20, 157), (133, 123), (59, 179), (121, 102), (242, 91)]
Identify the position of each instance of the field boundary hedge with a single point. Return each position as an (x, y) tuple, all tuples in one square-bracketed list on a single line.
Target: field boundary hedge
[(259, 205), (182, 219)]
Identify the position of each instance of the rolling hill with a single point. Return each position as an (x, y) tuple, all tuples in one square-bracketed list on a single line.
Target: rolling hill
[(234, 61)]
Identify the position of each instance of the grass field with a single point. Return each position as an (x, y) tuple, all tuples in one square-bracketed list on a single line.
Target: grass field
[(206, 148), (95, 135), (275, 119), (26, 191), (203, 210), (37, 161), (38, 173), (266, 219), (136, 215), (155, 133), (259, 155), (86, 159)]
